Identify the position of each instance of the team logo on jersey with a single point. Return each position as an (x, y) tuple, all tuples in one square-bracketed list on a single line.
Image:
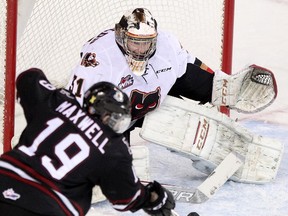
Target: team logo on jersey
[(143, 102), (89, 60), (126, 82), (10, 194)]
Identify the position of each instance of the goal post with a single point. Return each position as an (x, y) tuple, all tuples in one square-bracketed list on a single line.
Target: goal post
[(8, 43), (51, 34)]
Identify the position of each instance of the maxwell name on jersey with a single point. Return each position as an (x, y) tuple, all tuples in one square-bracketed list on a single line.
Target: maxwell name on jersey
[(89, 127)]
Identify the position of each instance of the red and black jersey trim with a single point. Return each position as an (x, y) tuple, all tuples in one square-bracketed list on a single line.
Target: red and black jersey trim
[(20, 172)]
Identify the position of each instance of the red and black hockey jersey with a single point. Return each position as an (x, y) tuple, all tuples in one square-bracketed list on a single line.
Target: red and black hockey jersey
[(62, 154)]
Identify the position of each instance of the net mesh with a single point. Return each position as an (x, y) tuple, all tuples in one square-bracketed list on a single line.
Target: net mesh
[(51, 36)]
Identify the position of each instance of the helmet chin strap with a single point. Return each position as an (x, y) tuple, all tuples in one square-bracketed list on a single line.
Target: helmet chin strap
[(137, 67)]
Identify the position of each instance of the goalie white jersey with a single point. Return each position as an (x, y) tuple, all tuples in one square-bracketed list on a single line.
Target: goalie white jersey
[(102, 59), (170, 70)]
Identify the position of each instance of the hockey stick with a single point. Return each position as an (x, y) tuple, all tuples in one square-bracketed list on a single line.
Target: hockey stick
[(173, 213), (218, 177), (213, 182), (181, 194)]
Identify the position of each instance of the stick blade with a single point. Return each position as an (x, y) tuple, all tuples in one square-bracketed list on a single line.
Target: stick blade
[(218, 177), (198, 197)]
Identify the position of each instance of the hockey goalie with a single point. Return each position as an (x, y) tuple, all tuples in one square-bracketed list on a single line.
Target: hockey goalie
[(206, 136)]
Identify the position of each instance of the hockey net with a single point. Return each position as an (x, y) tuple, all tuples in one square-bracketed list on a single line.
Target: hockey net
[(50, 35)]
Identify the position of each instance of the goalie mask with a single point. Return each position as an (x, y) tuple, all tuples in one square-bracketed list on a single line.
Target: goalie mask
[(136, 34), (108, 103)]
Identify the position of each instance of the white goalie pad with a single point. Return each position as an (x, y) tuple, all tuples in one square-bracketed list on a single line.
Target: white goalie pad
[(141, 161), (97, 195), (207, 136), (249, 91)]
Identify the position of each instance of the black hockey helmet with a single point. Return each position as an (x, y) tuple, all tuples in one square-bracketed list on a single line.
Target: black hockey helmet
[(110, 104)]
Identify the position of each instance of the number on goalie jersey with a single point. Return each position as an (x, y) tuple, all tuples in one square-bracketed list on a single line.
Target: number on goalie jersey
[(63, 153)]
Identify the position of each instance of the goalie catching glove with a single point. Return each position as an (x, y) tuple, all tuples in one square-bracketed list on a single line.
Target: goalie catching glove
[(249, 91), (161, 200)]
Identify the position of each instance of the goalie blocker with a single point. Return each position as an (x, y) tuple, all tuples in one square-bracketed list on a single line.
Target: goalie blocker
[(206, 136)]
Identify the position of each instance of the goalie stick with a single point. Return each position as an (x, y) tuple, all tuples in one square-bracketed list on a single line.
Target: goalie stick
[(218, 177), (212, 183)]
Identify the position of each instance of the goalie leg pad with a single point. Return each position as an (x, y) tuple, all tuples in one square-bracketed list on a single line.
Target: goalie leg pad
[(97, 195), (201, 133), (141, 161)]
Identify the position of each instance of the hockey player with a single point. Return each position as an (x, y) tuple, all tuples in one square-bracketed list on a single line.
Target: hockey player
[(149, 64), (65, 150)]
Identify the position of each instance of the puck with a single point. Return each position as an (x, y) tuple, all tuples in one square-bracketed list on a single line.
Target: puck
[(193, 214)]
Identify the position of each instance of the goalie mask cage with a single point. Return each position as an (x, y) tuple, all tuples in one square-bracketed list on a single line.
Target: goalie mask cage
[(50, 34)]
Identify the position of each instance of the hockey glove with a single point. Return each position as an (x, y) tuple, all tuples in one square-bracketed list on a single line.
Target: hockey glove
[(161, 200), (249, 91)]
